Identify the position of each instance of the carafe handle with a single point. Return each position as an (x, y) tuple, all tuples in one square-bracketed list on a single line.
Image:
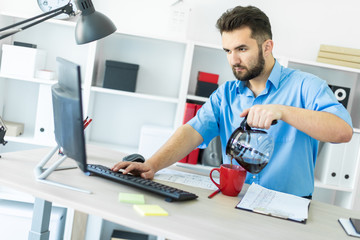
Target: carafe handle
[(245, 126)]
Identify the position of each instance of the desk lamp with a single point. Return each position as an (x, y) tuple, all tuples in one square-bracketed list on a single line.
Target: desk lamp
[(91, 26)]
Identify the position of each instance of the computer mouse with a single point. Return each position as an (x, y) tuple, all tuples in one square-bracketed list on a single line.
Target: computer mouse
[(135, 157)]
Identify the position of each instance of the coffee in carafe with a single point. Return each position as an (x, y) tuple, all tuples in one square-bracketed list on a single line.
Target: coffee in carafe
[(253, 166), (251, 148)]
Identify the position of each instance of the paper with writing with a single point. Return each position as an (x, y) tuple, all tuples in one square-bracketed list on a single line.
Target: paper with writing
[(189, 179), (277, 204)]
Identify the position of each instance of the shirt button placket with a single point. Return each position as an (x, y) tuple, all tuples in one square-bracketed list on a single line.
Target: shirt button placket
[(256, 178)]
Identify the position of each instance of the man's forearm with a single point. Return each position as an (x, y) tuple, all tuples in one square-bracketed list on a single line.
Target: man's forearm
[(322, 126)]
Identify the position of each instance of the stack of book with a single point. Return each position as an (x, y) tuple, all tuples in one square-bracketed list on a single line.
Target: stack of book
[(207, 83), (347, 57)]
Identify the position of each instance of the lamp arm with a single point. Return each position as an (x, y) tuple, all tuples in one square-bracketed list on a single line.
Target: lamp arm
[(68, 9)]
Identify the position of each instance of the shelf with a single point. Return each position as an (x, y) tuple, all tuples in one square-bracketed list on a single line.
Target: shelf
[(24, 138), (28, 79), (134, 95), (208, 45), (319, 184), (196, 98), (71, 22), (324, 65), (27, 139)]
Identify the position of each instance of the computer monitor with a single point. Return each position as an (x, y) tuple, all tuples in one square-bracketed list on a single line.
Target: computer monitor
[(68, 112), (68, 122)]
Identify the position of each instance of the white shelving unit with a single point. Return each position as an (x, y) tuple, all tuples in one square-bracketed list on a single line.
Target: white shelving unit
[(28, 100), (337, 175), (156, 97), (166, 80)]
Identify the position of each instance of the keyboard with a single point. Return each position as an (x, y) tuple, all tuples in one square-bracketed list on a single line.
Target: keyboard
[(170, 193)]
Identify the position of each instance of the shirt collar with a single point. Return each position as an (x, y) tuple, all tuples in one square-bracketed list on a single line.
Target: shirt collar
[(275, 74), (274, 78)]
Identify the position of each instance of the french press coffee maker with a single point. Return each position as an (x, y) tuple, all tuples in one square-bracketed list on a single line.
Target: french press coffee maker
[(251, 148)]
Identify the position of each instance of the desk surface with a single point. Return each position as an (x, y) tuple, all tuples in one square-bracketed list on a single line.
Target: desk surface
[(203, 218)]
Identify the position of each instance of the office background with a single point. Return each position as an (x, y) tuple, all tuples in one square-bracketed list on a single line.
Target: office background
[(299, 27)]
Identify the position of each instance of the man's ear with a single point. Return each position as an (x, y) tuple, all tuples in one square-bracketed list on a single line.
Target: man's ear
[(268, 46)]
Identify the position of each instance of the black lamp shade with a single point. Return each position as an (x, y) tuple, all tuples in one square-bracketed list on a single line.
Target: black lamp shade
[(92, 25)]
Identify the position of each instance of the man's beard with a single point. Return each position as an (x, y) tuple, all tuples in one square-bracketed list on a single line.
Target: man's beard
[(251, 73)]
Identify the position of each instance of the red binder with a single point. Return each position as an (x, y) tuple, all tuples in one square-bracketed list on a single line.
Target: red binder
[(190, 111), (208, 77), (198, 106), (184, 160), (194, 155)]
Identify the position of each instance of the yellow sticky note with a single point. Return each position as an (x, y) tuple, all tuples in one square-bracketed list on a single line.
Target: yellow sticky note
[(131, 198), (150, 210)]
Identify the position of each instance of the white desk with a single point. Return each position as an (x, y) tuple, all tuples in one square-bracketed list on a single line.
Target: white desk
[(203, 218)]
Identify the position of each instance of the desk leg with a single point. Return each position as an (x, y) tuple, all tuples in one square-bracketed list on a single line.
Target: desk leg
[(40, 220)]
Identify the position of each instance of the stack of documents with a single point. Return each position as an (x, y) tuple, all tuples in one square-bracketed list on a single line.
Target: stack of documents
[(277, 204), (347, 57)]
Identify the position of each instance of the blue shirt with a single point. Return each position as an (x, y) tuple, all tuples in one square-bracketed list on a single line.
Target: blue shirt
[(291, 167)]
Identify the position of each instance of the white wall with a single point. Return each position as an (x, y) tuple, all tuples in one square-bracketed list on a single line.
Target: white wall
[(299, 27)]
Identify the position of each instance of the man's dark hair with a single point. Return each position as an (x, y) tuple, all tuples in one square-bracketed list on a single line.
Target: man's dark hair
[(249, 16)]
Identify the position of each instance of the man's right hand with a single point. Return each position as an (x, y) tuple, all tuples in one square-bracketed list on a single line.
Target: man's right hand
[(143, 170), (182, 142)]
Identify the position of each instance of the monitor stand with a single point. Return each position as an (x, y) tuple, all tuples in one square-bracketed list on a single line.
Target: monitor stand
[(42, 173)]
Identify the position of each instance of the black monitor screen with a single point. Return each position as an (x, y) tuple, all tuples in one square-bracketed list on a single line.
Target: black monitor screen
[(68, 116)]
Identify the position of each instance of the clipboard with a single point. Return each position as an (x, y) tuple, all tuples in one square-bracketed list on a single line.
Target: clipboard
[(272, 203), (275, 214)]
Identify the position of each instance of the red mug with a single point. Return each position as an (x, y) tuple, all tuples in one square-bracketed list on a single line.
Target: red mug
[(232, 179)]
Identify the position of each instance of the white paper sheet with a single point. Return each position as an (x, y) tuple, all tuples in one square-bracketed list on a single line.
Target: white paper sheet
[(277, 204), (186, 178)]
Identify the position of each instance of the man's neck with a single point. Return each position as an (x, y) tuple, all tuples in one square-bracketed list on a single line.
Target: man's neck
[(258, 84)]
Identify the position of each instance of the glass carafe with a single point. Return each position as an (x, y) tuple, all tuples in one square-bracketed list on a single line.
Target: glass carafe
[(251, 148)]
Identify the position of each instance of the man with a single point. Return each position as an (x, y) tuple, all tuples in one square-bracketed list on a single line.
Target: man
[(304, 106)]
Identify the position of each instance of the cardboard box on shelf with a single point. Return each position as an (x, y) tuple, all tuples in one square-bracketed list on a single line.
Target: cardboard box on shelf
[(120, 76), (14, 129), (21, 61)]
